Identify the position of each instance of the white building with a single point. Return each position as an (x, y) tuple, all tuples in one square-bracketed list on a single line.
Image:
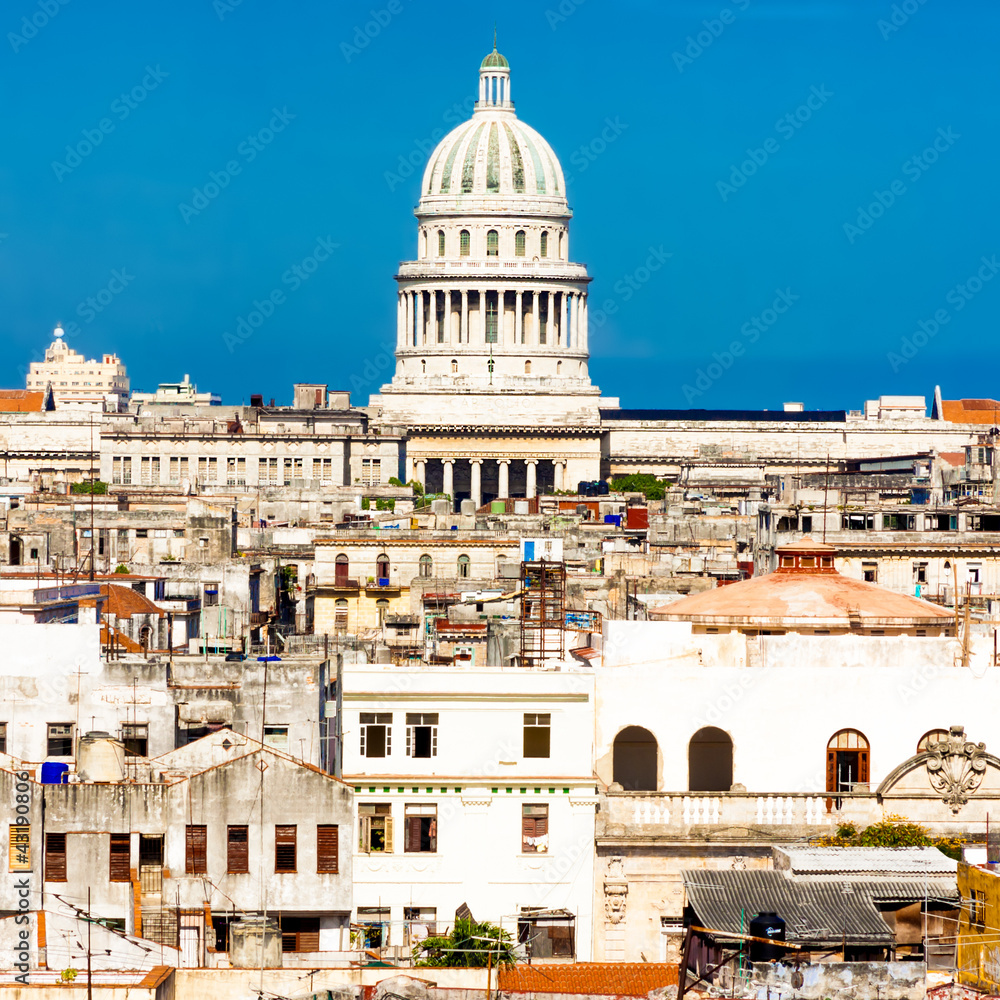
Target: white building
[(472, 786), (183, 393), (77, 382)]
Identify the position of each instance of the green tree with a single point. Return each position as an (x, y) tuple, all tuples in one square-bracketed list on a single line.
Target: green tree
[(470, 945), (645, 483), (893, 831)]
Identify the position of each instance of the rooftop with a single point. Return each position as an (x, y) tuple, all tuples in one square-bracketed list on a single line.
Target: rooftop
[(895, 861)]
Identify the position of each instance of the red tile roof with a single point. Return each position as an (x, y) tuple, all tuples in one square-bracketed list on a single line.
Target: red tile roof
[(21, 401), (123, 602), (971, 411), (611, 979)]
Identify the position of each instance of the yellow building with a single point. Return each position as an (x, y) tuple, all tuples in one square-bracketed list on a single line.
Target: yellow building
[(979, 928)]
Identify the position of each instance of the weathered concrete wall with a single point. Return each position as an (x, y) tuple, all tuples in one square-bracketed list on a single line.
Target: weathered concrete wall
[(844, 980)]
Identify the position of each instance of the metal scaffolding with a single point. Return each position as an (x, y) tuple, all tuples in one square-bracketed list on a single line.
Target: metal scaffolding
[(543, 612)]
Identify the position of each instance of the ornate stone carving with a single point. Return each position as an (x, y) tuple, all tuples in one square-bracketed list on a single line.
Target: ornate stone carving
[(615, 891), (955, 767), (739, 863)]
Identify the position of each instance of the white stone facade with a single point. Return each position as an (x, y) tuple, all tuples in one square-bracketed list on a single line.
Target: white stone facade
[(77, 382)]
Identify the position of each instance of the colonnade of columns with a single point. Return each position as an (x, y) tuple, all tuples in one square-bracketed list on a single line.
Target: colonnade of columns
[(417, 469), (424, 316)]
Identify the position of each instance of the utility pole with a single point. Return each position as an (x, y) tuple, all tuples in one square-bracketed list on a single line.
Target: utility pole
[(90, 985)]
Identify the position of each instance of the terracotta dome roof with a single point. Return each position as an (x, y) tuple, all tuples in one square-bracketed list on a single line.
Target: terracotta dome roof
[(805, 594)]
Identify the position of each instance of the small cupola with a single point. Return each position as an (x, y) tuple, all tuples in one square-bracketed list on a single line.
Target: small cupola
[(494, 81), (806, 556)]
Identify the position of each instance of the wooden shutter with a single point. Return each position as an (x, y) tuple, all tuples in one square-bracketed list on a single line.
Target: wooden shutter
[(308, 936), (863, 771), (196, 850), (390, 833), (284, 848), (237, 850), (120, 857), (327, 849), (364, 834), (831, 770), (55, 857), (412, 824), (19, 847)]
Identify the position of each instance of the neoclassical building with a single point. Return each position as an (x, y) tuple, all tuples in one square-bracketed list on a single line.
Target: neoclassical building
[(491, 376)]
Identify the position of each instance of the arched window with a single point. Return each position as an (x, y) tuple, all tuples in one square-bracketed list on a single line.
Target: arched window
[(440, 242), (463, 567), (423, 242), (454, 366), (423, 367), (559, 368), (382, 569), (340, 614), (933, 736), (562, 246), (527, 367), (381, 609), (464, 242), (710, 761), (847, 760), (145, 636), (426, 566), (341, 569), (544, 247), (635, 760), (519, 243), (492, 243)]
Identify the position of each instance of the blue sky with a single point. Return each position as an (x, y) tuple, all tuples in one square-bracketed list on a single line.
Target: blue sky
[(821, 175)]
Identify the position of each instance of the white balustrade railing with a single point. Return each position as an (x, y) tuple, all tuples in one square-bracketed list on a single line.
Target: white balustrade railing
[(640, 810)]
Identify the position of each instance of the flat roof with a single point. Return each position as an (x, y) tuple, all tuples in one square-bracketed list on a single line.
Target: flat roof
[(772, 416)]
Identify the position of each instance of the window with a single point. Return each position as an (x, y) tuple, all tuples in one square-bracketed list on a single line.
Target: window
[(376, 924), (492, 243), (857, 522), (196, 850), (150, 471), (299, 934), (3, 737), (276, 736), (420, 829), (60, 742), (869, 572), (527, 367), (492, 322), (977, 908), (121, 471), (930, 739), (55, 857), (546, 933), (847, 760), (535, 829), (120, 857), (293, 470), (327, 848), (382, 569), (284, 849), (420, 923), (375, 830), (920, 572), (323, 470), (421, 734), (543, 250), (376, 734), (135, 738), (463, 567), (341, 568), (537, 733), (454, 366), (371, 472), (519, 243), (807, 523), (211, 595), (425, 566), (440, 242), (710, 761), (267, 471), (237, 850), (635, 760), (463, 242), (340, 614), (208, 470), (381, 609)]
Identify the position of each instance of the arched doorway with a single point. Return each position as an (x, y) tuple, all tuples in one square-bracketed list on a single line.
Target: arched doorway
[(635, 759), (341, 569), (710, 761), (847, 760)]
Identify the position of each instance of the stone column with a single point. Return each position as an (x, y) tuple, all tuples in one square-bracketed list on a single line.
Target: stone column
[(421, 471), (534, 316), (518, 318), (399, 321), (407, 319), (463, 326), (563, 338), (504, 476), (530, 466), (421, 329), (584, 323), (482, 316), (449, 477), (449, 325), (477, 488), (560, 475)]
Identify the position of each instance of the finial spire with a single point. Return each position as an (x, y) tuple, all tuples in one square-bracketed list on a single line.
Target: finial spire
[(494, 36)]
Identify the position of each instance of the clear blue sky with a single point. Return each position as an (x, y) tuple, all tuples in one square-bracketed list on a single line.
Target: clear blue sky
[(200, 77)]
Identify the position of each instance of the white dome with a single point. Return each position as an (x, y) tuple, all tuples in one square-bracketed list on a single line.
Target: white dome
[(494, 154)]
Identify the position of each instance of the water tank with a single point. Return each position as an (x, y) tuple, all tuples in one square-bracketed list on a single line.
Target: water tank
[(469, 507), (496, 506), (440, 506), (100, 757), (771, 927), (53, 772), (522, 507)]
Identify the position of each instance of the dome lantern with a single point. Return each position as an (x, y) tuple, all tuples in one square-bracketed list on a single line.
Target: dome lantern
[(494, 80)]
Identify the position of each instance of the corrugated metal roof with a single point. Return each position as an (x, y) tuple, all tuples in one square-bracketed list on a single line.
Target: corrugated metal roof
[(891, 861), (815, 911)]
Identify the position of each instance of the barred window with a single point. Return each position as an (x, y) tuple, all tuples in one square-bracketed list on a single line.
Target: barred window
[(492, 243), (464, 242), (519, 243)]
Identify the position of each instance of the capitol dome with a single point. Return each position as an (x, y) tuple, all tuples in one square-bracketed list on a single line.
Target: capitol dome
[(494, 157)]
